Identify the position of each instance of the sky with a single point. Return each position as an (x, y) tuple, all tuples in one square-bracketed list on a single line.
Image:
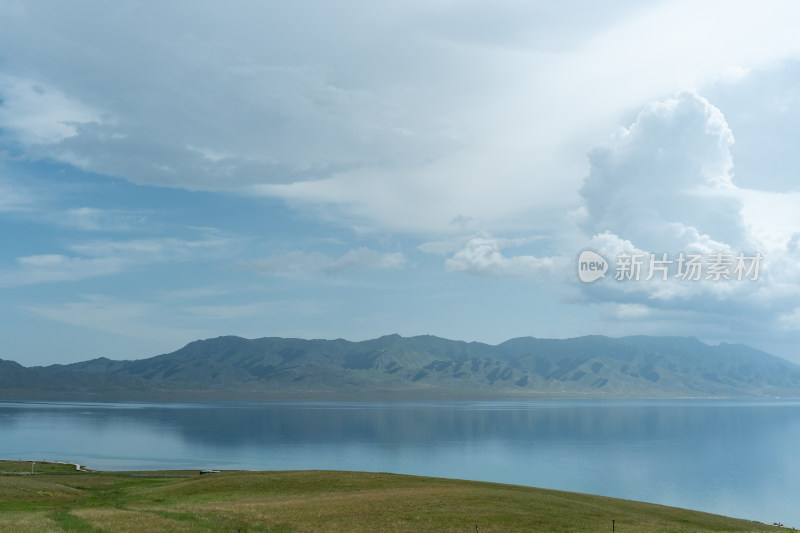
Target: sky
[(171, 171)]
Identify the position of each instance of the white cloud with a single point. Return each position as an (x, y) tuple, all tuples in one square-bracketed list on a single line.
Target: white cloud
[(734, 74), (266, 98), (442, 247), (631, 311), (31, 201), (228, 312), (95, 219), (295, 263), (162, 249), (771, 217), (45, 268), (364, 258), (36, 113), (129, 319), (481, 256), (665, 185), (302, 264), (454, 244), (195, 293), (790, 320), (258, 309), (522, 152), (204, 107), (15, 197), (104, 257)]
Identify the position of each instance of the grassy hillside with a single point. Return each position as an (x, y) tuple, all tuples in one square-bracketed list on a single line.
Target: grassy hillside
[(62, 499)]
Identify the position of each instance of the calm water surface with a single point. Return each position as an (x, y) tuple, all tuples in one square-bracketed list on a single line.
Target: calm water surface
[(739, 458)]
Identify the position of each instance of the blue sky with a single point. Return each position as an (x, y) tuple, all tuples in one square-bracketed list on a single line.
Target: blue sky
[(183, 170)]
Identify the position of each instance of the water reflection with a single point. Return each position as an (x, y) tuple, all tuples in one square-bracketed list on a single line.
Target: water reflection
[(735, 458)]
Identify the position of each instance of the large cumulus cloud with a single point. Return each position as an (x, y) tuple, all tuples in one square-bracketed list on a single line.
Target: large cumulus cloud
[(666, 184)]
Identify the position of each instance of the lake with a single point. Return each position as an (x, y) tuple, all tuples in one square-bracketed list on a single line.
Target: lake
[(738, 458)]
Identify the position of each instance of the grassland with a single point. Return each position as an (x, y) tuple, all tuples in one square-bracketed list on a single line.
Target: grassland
[(59, 498)]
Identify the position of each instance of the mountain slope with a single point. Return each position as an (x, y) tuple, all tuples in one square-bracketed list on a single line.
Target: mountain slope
[(237, 368)]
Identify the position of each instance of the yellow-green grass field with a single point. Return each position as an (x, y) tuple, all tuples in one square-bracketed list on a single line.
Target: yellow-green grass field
[(59, 498)]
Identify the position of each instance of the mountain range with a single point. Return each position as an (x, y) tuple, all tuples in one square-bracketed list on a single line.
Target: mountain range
[(394, 367)]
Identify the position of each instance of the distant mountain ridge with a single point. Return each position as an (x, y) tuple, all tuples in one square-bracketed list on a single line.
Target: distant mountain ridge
[(423, 366)]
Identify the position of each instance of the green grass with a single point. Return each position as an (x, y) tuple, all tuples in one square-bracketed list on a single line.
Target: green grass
[(305, 501), (38, 467)]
